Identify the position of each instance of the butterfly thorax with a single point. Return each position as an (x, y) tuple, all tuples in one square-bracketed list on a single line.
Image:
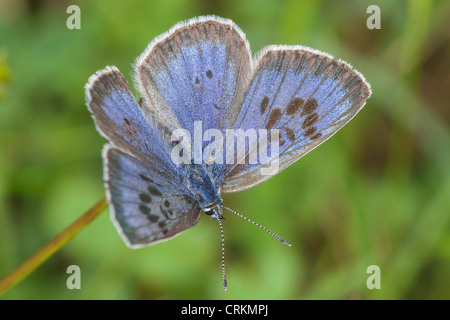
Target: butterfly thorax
[(205, 190)]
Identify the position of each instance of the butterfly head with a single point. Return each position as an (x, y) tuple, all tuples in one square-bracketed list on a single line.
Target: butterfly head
[(214, 210)]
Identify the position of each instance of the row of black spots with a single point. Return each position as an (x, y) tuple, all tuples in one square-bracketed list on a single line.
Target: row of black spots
[(147, 198), (290, 134), (307, 109), (153, 218), (144, 209), (294, 106), (298, 104), (168, 214), (311, 118), (308, 124), (147, 211)]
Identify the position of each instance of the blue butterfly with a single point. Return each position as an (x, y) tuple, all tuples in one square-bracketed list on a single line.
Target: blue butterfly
[(202, 72)]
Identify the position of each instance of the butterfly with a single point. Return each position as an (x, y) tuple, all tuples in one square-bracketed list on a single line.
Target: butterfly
[(200, 77)]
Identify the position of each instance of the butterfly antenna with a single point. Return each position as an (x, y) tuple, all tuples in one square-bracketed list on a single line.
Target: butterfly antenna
[(224, 276), (257, 224)]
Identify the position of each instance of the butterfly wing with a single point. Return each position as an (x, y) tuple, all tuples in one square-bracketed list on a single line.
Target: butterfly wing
[(148, 199), (305, 94), (197, 71), (120, 119), (146, 207)]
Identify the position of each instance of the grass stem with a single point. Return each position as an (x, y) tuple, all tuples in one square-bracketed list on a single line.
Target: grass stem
[(52, 247)]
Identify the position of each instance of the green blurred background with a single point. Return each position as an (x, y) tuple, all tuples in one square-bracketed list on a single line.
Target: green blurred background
[(377, 193)]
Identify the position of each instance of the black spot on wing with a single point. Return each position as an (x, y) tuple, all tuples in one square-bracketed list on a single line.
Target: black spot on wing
[(290, 134), (144, 209), (275, 115), (145, 197), (294, 106), (145, 178), (310, 120), (310, 106), (264, 103), (310, 131), (154, 191)]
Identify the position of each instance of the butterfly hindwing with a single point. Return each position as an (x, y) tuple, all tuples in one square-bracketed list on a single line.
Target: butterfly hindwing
[(305, 94), (146, 206)]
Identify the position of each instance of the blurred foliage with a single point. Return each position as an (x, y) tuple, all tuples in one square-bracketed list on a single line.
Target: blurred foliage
[(377, 193)]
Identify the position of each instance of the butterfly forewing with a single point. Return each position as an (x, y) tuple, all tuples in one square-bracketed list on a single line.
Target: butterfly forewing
[(120, 119), (146, 206), (198, 71), (306, 95)]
